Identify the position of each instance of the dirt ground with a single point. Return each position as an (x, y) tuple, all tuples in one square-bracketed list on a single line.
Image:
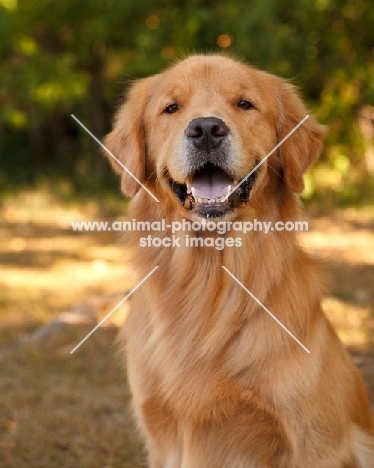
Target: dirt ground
[(60, 410)]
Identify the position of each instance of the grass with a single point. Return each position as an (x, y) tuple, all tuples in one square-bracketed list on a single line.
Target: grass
[(56, 409), (61, 410)]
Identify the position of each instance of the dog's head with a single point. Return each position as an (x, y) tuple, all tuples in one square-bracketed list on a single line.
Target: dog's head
[(195, 131)]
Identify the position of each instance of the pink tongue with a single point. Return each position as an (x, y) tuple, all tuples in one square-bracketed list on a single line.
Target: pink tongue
[(210, 186)]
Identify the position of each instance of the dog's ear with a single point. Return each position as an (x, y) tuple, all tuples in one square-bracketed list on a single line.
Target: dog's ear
[(127, 140), (301, 148)]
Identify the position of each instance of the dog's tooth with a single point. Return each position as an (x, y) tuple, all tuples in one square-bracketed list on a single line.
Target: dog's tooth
[(199, 200), (193, 192), (222, 199)]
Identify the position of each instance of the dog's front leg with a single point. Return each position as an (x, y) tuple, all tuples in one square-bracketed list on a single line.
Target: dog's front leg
[(161, 434)]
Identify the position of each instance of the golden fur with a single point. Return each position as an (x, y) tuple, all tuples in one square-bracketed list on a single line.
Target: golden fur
[(217, 383)]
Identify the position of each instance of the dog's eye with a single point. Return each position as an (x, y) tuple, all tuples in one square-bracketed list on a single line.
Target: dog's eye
[(171, 109), (245, 105)]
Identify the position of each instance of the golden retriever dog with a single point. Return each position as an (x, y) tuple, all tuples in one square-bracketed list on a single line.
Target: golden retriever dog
[(216, 381)]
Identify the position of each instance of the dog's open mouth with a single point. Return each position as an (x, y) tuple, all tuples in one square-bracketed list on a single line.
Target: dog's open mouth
[(208, 191)]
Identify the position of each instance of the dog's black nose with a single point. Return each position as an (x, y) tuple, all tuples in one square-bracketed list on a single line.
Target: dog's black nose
[(207, 132)]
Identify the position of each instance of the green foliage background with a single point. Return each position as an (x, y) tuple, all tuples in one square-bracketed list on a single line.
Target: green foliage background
[(62, 57)]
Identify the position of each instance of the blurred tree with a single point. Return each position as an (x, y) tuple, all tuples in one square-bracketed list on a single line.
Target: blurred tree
[(61, 57)]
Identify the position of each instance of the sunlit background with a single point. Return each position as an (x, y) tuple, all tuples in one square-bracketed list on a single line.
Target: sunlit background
[(59, 58)]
